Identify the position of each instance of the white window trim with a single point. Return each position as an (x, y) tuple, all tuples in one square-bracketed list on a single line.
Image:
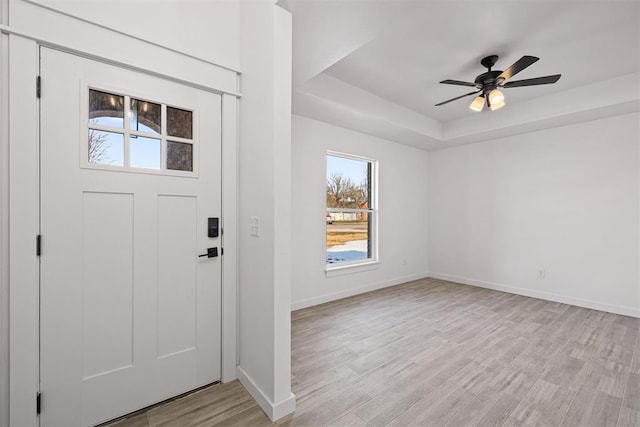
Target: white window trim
[(343, 268)]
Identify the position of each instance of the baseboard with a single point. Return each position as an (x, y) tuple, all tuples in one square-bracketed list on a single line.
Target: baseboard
[(616, 309), (310, 302), (274, 411)]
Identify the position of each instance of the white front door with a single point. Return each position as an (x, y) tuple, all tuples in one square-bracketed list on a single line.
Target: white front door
[(130, 175)]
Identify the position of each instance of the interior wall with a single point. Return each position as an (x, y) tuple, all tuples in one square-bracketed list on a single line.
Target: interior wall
[(561, 203), (4, 231), (402, 207), (204, 30), (264, 180), (139, 45), (283, 398)]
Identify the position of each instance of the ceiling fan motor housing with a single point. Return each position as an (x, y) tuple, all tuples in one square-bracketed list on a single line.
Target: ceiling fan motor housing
[(488, 79)]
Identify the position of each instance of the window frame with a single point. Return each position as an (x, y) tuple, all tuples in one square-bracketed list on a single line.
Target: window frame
[(127, 132), (373, 215)]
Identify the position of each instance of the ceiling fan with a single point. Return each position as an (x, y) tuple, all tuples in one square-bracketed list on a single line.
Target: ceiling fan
[(487, 84)]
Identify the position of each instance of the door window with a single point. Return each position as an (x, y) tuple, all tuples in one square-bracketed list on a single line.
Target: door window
[(131, 134)]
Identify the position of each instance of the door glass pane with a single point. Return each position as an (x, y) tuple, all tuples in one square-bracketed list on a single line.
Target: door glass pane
[(145, 152), (179, 123), (146, 116), (348, 236), (106, 148), (106, 109), (179, 156)]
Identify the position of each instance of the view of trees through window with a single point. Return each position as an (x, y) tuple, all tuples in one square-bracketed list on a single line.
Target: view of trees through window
[(349, 216)]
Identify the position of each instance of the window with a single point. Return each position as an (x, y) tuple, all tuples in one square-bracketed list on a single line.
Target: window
[(128, 133), (351, 214)]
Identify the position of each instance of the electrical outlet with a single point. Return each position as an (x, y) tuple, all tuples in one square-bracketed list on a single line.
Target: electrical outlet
[(542, 274)]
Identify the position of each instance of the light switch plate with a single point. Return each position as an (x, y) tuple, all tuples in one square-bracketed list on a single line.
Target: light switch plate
[(254, 226)]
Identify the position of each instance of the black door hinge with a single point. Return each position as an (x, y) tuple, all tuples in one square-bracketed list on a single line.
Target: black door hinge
[(38, 402), (38, 245), (38, 86), (221, 251)]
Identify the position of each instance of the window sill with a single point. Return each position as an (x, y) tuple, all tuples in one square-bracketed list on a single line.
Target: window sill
[(342, 270)]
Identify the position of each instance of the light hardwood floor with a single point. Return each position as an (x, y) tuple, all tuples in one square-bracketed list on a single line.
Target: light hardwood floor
[(434, 353)]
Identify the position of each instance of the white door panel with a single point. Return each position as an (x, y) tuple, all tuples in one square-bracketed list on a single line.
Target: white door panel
[(130, 315)]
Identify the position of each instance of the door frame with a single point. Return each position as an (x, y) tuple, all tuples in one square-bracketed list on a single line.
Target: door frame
[(24, 209)]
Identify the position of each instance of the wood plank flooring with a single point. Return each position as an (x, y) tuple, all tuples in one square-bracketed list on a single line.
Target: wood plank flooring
[(435, 353)]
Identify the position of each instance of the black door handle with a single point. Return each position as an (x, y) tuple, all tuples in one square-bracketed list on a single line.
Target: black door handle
[(211, 253)]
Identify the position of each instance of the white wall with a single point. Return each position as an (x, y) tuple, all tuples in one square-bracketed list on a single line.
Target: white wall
[(4, 231), (265, 260), (205, 30), (402, 212), (563, 200)]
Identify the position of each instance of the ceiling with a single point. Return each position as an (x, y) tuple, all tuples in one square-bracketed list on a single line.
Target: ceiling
[(374, 65)]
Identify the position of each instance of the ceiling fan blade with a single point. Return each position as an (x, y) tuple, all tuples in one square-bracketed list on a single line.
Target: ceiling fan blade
[(458, 82), (517, 66), (546, 80), (457, 97)]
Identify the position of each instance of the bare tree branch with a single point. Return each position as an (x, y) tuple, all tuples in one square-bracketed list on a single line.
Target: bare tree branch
[(342, 192), (98, 146)]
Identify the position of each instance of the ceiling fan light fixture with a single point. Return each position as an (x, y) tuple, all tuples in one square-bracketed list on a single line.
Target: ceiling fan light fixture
[(497, 106), (477, 104), (496, 99)]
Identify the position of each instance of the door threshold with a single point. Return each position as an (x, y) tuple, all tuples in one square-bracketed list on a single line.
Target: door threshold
[(155, 405)]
